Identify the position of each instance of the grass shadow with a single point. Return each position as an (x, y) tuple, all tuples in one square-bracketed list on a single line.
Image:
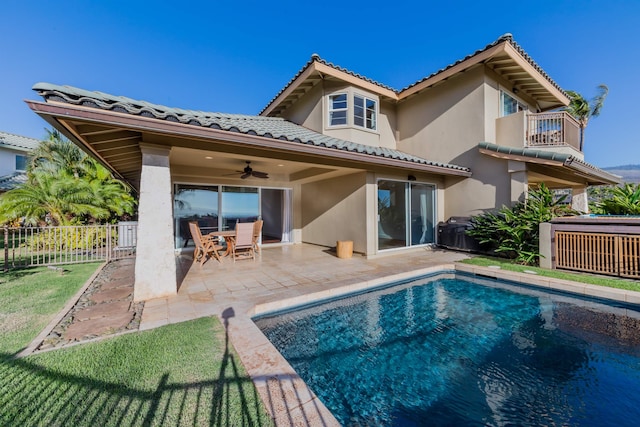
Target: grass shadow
[(35, 392)]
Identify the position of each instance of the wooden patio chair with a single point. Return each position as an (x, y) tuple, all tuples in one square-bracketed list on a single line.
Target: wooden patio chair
[(257, 229), (205, 245), (243, 243)]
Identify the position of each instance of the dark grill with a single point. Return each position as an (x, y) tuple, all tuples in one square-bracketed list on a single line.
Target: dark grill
[(452, 234)]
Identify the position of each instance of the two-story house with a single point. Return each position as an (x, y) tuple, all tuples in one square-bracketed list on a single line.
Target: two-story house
[(334, 155), (14, 151)]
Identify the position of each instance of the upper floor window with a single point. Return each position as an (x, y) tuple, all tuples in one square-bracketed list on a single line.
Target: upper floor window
[(338, 109), (364, 112), (21, 163), (510, 105)]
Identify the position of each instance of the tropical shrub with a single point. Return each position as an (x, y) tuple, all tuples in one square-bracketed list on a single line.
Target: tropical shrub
[(69, 239), (618, 200), (513, 232)]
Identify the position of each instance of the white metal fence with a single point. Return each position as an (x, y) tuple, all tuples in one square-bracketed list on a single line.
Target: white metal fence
[(33, 246)]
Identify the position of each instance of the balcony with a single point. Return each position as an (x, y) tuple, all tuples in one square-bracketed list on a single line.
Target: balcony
[(552, 129), (556, 131)]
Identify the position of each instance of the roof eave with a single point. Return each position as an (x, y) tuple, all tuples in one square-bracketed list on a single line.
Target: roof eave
[(481, 57), (593, 175), (55, 113), (604, 177)]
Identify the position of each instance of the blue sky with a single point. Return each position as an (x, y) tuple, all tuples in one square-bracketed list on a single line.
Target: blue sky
[(234, 56)]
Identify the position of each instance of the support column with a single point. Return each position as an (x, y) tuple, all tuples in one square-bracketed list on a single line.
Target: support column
[(545, 249), (519, 182), (580, 199), (155, 255)]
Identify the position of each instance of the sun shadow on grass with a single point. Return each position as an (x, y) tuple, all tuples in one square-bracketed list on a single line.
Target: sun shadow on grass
[(36, 391)]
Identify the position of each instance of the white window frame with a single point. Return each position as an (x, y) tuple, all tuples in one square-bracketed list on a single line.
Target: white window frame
[(520, 105), (331, 109), (24, 159), (365, 109)]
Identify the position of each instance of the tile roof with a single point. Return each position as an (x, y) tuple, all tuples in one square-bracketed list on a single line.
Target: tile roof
[(268, 127), (13, 180), (17, 142), (566, 159), (316, 58), (504, 38)]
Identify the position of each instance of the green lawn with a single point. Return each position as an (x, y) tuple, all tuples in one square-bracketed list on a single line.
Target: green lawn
[(182, 374), (591, 279), (30, 298)]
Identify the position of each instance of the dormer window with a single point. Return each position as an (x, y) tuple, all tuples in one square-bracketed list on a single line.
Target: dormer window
[(350, 109), (338, 109), (364, 112)]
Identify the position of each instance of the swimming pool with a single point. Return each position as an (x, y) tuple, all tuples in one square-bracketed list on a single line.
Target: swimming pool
[(466, 351)]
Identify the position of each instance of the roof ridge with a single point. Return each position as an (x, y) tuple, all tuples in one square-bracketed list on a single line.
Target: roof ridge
[(506, 37), (317, 58), (109, 100)]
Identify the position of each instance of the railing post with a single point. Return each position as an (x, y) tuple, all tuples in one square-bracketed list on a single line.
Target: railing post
[(6, 248), (108, 242)]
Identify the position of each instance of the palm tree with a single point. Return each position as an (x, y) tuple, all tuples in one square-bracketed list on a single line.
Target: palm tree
[(57, 199), (582, 109), (57, 153), (65, 186)]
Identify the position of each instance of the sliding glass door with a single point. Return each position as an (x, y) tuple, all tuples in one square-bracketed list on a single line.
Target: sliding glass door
[(405, 214), (220, 207), (194, 203), (239, 204)]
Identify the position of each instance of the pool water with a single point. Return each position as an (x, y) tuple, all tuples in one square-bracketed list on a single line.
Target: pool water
[(466, 352)]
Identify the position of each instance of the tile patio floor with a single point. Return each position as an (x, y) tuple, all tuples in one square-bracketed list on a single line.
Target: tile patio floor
[(279, 277), (277, 273)]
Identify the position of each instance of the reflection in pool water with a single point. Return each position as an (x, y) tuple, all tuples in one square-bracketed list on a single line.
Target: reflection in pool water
[(453, 352)]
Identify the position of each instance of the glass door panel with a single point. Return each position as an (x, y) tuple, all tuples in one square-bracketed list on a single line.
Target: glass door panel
[(422, 211), (392, 216), (239, 204), (194, 203)]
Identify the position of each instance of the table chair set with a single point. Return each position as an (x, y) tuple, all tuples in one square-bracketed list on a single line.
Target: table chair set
[(241, 243)]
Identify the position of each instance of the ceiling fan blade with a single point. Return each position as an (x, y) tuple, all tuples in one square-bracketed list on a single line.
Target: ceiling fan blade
[(260, 174), (245, 176)]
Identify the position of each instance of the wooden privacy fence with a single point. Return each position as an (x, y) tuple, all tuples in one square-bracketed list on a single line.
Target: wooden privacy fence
[(601, 245), (610, 254), (33, 246)]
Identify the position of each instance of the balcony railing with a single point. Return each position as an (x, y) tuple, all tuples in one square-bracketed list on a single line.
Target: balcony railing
[(552, 129)]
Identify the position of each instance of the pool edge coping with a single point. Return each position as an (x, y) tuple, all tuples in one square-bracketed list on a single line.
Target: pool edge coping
[(294, 400)]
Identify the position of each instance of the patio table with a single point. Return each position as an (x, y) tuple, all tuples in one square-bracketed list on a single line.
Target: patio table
[(229, 238)]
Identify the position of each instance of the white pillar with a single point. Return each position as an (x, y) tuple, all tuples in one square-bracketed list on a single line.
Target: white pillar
[(155, 254), (519, 181), (545, 248), (580, 199)]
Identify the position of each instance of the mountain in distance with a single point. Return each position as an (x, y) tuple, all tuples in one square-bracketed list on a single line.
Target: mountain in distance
[(629, 173)]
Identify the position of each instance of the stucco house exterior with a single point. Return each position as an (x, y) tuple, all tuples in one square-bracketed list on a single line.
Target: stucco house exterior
[(347, 158), (14, 151)]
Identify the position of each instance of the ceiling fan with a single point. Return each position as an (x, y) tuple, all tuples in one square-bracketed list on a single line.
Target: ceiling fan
[(248, 171)]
